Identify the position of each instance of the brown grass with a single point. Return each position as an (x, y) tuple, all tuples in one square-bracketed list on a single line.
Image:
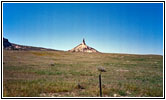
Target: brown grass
[(57, 73)]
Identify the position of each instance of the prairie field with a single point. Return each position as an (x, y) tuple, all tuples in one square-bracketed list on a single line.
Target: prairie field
[(59, 74)]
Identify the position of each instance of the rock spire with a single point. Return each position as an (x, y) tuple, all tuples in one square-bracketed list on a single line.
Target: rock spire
[(83, 42), (83, 48)]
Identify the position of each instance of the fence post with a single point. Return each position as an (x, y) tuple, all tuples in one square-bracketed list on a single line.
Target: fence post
[(100, 85), (100, 69)]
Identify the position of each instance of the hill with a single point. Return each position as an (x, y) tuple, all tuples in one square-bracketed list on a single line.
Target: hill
[(83, 48), (11, 46)]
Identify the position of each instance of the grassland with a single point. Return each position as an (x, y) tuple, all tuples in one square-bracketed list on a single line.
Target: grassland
[(57, 73)]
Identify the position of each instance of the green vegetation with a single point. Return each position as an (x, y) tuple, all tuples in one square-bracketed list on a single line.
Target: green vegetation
[(57, 73)]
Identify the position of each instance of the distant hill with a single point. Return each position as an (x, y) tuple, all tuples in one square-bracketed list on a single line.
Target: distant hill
[(83, 48), (11, 46)]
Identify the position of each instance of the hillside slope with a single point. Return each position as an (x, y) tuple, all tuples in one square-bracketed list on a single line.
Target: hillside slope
[(11, 46)]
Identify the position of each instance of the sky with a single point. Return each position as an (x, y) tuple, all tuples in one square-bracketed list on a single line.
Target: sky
[(133, 28)]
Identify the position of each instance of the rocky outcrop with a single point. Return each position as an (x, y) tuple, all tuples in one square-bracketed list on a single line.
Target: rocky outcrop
[(83, 48), (6, 43)]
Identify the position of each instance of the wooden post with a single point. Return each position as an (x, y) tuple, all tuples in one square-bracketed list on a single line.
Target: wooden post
[(100, 69), (100, 85)]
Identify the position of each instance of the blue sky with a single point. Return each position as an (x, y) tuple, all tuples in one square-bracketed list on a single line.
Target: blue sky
[(135, 28)]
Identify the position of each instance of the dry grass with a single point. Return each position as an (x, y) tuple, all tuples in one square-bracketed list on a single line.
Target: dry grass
[(56, 73)]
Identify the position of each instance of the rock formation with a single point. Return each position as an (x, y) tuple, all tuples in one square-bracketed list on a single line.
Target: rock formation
[(83, 48), (6, 43)]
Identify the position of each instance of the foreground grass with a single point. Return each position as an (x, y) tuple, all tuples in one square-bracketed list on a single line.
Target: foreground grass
[(57, 73)]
